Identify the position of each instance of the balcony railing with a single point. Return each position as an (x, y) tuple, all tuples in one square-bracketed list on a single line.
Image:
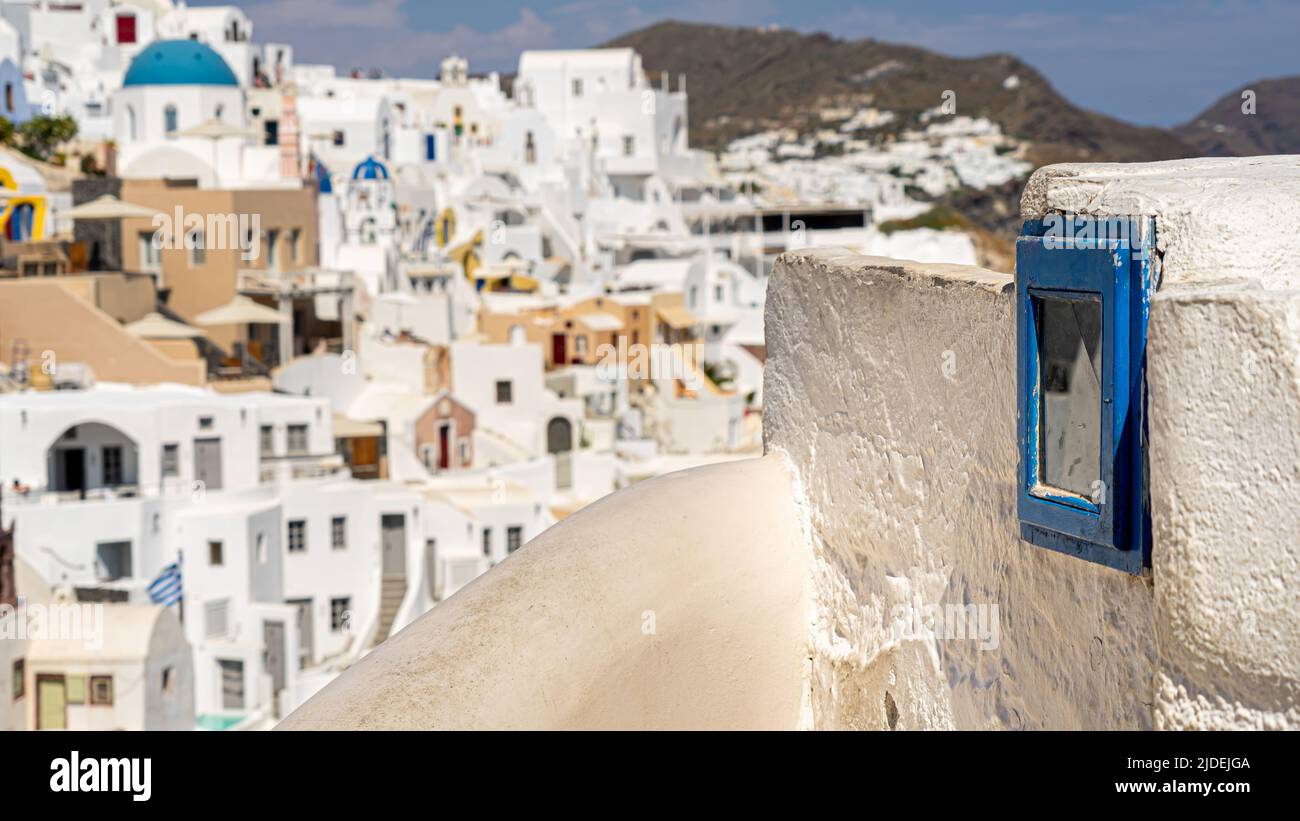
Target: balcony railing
[(303, 280), (301, 466), (45, 495)]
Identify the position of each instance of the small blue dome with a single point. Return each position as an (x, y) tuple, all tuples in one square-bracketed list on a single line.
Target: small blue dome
[(370, 169), (179, 63)]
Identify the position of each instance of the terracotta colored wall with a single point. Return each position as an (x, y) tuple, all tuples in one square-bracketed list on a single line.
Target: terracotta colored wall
[(426, 430)]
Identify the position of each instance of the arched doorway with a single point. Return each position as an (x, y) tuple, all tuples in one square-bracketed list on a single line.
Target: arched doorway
[(92, 456), (559, 443), (559, 435)]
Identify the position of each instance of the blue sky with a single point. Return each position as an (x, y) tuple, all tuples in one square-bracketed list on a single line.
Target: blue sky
[(1155, 63)]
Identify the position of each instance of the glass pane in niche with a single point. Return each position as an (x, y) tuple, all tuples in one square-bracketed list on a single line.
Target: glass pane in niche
[(1069, 363)]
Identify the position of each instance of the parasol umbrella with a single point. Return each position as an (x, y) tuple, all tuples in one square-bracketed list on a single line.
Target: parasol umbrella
[(241, 311), (156, 326)]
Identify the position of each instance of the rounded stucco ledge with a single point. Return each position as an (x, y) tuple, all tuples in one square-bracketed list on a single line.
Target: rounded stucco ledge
[(677, 603), (1218, 219)]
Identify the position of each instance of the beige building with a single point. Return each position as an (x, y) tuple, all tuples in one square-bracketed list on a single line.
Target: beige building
[(200, 280), (573, 334)]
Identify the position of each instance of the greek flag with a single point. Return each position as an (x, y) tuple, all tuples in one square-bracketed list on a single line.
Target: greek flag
[(166, 589)]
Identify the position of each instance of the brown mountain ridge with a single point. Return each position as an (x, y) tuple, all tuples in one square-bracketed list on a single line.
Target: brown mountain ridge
[(744, 80)]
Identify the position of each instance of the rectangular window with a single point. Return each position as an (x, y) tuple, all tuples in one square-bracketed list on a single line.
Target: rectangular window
[(20, 680), (272, 130), (298, 536), (198, 253), (112, 457), (232, 684), (487, 541), (339, 533), (340, 613), (216, 618), (430, 147), (577, 87), (101, 691), (297, 439), (171, 460), (505, 392), (1081, 288), (340, 138), (272, 249), (216, 553), (1069, 374), (206, 422), (629, 145), (76, 689), (125, 29), (266, 440), (303, 618), (150, 258), (514, 538), (295, 240), (112, 560)]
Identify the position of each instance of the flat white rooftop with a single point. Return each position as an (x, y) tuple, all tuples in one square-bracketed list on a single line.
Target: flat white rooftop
[(115, 395)]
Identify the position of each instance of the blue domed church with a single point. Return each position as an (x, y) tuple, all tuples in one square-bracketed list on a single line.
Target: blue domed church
[(170, 87)]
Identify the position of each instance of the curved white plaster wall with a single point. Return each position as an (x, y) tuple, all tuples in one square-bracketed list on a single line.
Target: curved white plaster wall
[(557, 635)]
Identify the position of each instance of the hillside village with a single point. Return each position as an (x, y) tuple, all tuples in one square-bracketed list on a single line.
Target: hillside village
[(290, 355)]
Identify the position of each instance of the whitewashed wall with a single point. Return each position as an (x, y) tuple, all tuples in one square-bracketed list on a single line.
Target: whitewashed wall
[(909, 481), (891, 390)]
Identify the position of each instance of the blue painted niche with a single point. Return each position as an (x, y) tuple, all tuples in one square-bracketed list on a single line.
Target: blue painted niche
[(1083, 293)]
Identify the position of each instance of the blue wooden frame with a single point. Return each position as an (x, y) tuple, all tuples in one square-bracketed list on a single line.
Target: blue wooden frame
[(1078, 258)]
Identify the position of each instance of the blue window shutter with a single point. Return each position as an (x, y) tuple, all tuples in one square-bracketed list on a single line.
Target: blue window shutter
[(1088, 261)]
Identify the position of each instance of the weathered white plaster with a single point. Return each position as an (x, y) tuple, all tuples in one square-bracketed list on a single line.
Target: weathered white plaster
[(1217, 220), (1224, 378), (1224, 398), (891, 389)]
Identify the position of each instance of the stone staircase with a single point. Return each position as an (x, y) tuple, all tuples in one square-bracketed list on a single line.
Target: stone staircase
[(391, 592)]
